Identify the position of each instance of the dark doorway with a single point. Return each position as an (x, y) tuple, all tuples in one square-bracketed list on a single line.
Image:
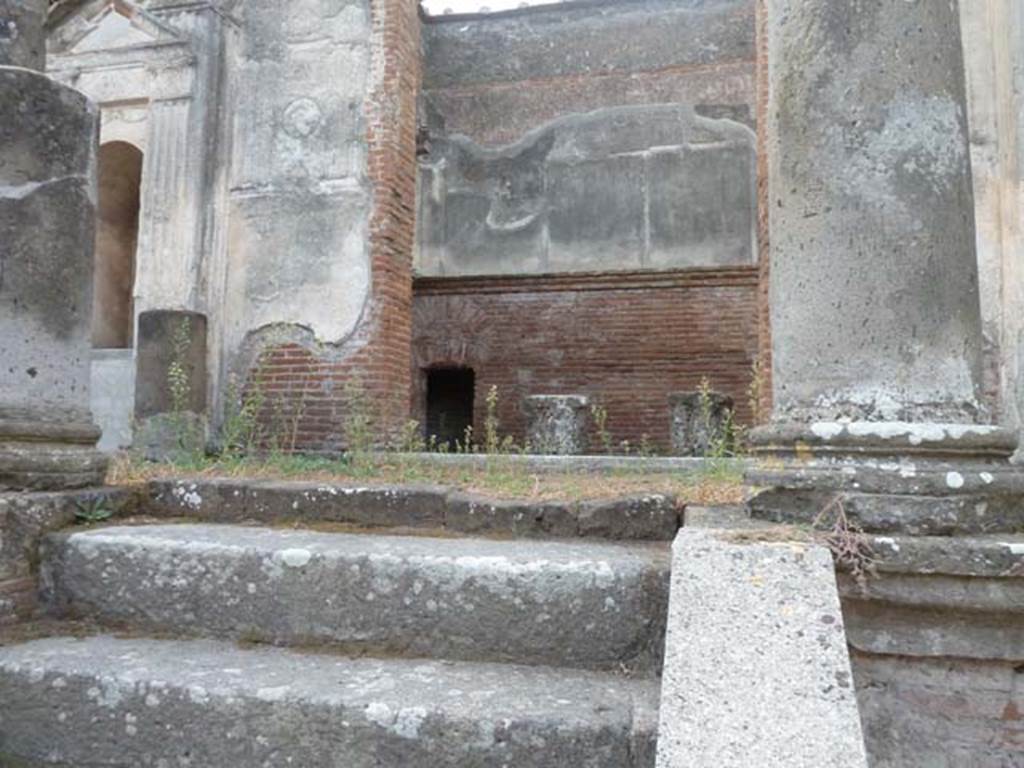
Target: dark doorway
[(450, 394), (117, 233)]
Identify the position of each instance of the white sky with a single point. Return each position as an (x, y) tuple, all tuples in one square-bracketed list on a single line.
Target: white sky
[(438, 7)]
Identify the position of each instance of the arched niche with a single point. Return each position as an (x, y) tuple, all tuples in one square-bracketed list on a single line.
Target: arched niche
[(117, 230)]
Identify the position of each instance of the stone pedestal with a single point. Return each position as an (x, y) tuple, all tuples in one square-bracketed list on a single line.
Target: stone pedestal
[(874, 281), (47, 199), (557, 424), (700, 423), (170, 383)]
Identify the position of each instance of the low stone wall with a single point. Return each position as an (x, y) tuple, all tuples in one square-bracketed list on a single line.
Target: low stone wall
[(25, 518)]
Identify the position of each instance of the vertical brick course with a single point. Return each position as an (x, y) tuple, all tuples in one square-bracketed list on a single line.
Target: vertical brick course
[(305, 404)]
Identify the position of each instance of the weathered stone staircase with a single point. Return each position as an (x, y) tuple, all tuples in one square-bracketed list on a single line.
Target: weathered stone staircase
[(265, 646)]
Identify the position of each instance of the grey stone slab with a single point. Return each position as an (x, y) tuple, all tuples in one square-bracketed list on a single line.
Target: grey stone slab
[(756, 665), (716, 517), (148, 703), (961, 515), (654, 517), (933, 631), (597, 213), (414, 506), (700, 205), (223, 500), (169, 338), (474, 513), (572, 604), (112, 396)]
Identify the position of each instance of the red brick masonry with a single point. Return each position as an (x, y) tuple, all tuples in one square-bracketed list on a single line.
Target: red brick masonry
[(625, 339)]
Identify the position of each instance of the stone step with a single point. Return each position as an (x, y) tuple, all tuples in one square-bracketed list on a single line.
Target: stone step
[(573, 604), (653, 517), (143, 702)]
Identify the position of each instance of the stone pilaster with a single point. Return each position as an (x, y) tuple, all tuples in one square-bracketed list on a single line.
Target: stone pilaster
[(876, 321), (47, 226)]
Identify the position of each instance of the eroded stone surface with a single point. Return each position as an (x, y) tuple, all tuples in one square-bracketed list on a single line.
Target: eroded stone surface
[(22, 39), (874, 280), (572, 604), (651, 517), (701, 423), (47, 208), (940, 713), (756, 665), (154, 703), (556, 425)]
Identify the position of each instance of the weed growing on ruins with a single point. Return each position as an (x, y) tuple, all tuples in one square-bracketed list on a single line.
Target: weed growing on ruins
[(410, 438), (92, 511), (756, 390), (184, 426), (850, 547), (492, 441), (599, 414), (358, 423), (241, 430)]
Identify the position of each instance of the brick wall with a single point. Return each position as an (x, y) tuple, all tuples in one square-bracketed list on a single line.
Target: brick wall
[(306, 392), (627, 340)]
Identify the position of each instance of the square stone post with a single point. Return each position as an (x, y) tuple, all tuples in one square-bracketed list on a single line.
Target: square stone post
[(874, 279), (48, 138)]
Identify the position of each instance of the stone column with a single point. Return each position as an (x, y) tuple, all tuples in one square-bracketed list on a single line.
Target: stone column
[(874, 281), (47, 200)]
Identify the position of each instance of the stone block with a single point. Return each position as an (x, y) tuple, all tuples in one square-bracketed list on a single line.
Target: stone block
[(107, 701), (170, 339), (700, 206), (557, 424), (471, 513), (597, 213), (654, 517), (700, 423), (756, 670), (112, 388), (590, 605)]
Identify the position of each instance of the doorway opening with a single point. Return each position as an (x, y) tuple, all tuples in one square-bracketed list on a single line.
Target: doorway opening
[(117, 234), (450, 394)]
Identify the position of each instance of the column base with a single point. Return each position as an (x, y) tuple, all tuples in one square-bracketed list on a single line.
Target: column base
[(889, 477), (42, 455)]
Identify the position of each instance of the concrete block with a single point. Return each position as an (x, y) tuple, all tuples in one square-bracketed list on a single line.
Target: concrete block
[(757, 670), (588, 605), (106, 701)]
